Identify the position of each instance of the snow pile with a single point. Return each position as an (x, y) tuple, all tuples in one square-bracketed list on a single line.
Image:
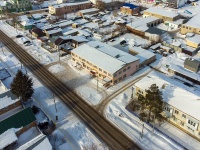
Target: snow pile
[(7, 138), (56, 68)]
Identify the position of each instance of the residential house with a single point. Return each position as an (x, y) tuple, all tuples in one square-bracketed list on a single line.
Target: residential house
[(192, 26), (146, 57), (26, 25), (193, 41), (181, 107), (174, 25), (8, 102), (109, 64), (175, 3), (37, 32), (88, 12), (15, 6), (61, 9), (140, 26), (37, 16), (129, 9), (161, 14), (54, 32), (192, 64), (22, 120)]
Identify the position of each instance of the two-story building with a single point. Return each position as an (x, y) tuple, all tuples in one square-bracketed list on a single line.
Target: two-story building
[(129, 9), (109, 64), (181, 107), (15, 6), (61, 9)]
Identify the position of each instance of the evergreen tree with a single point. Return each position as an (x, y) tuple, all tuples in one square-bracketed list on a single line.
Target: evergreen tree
[(151, 104), (22, 86)]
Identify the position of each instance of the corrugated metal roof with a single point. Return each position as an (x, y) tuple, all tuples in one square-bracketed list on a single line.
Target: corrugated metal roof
[(18, 120)]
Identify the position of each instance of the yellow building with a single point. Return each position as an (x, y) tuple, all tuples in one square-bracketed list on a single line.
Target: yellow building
[(192, 26), (181, 106), (193, 41), (161, 13)]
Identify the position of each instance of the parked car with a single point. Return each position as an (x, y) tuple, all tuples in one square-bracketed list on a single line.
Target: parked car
[(112, 40), (18, 36), (122, 42), (27, 42)]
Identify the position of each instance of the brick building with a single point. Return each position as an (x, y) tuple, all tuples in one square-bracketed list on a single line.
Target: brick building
[(129, 9), (61, 9)]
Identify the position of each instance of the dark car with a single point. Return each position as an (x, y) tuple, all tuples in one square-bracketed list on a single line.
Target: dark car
[(123, 42), (18, 36), (27, 42)]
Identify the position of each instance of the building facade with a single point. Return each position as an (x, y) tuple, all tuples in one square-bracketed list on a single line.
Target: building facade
[(129, 9), (174, 109), (161, 13), (15, 6), (61, 9), (106, 62), (192, 26)]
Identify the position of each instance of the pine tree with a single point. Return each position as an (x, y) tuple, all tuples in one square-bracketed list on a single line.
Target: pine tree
[(22, 86), (151, 104)]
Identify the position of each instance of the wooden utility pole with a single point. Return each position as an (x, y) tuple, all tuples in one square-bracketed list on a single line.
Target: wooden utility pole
[(142, 130)]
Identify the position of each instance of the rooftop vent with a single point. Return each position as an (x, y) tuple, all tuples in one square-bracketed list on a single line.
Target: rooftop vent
[(117, 56)]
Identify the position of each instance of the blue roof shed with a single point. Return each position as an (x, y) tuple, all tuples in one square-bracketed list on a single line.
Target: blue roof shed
[(131, 6)]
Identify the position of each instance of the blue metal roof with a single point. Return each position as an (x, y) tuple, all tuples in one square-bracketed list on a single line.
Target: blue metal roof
[(131, 6)]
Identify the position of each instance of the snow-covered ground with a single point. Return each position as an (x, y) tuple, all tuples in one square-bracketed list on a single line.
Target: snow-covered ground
[(74, 131)]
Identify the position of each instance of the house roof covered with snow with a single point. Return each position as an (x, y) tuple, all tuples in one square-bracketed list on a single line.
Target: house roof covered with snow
[(7, 138), (142, 22), (161, 11), (36, 16), (174, 93), (104, 56), (6, 99), (70, 4), (85, 11), (40, 142), (194, 21), (194, 39), (142, 54)]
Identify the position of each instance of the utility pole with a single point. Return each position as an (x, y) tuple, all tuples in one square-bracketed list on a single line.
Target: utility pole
[(132, 93), (54, 100), (21, 64), (59, 54), (2, 47), (141, 134), (153, 123), (97, 84)]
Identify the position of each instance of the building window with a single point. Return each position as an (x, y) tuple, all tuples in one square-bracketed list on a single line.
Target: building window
[(168, 109), (186, 27), (120, 78), (105, 72), (109, 75), (192, 123), (176, 111), (128, 67), (120, 72), (100, 69), (124, 70), (115, 75), (183, 116), (174, 118), (182, 123), (124, 76), (115, 81)]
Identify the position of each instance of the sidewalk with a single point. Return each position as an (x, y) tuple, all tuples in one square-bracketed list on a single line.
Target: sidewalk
[(179, 136)]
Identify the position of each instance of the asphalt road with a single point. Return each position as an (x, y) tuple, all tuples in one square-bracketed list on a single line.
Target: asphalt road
[(110, 134)]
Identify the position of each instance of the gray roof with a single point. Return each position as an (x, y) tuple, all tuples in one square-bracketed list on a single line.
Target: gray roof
[(104, 56)]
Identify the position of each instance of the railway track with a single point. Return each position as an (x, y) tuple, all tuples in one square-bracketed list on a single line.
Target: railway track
[(110, 134)]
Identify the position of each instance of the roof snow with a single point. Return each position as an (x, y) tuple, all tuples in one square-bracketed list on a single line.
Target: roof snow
[(7, 138), (7, 99), (174, 93), (36, 16), (89, 10), (194, 22), (162, 12), (194, 39), (104, 56), (40, 142), (70, 4)]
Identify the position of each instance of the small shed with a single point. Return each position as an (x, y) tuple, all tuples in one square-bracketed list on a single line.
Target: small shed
[(192, 64)]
